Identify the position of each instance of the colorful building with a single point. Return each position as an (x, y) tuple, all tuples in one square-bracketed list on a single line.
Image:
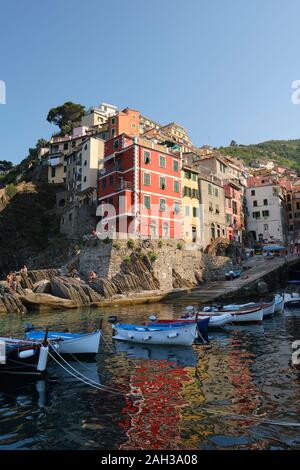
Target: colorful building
[(140, 190), (234, 211), (191, 205), (212, 210), (266, 210)]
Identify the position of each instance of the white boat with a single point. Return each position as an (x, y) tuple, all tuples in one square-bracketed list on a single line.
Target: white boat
[(291, 297), (268, 308), (278, 303), (70, 343), (164, 335), (216, 319), (247, 315)]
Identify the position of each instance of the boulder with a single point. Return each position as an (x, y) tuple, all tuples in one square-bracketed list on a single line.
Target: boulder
[(45, 302), (42, 287)]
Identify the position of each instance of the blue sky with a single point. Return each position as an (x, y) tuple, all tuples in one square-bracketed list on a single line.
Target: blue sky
[(221, 68)]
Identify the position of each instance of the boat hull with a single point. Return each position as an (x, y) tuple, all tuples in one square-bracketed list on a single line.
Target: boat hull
[(179, 336), (243, 316), (23, 359), (71, 343)]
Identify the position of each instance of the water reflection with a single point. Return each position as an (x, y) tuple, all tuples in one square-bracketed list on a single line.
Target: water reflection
[(168, 398)]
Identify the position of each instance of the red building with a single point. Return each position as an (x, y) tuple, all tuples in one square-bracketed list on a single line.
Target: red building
[(234, 210), (140, 189)]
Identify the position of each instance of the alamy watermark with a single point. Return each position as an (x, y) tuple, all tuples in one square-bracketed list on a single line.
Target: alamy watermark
[(2, 92), (2, 353)]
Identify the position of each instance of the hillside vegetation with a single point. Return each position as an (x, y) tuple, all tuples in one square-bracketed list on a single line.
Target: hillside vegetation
[(284, 152)]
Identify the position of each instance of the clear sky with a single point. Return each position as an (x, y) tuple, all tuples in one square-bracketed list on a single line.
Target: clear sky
[(221, 68)]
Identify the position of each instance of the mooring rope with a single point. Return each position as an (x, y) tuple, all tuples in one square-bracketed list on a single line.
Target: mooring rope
[(83, 378)]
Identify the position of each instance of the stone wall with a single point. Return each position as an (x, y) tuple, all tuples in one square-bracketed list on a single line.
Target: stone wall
[(171, 263)]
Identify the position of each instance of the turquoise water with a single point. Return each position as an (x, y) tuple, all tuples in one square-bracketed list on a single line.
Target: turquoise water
[(212, 396)]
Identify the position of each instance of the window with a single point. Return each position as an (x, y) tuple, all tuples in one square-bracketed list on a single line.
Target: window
[(162, 161), (266, 227), (53, 171), (175, 165), (254, 203), (265, 202), (85, 147), (209, 189), (195, 212), (216, 192), (104, 183), (111, 180), (85, 163), (256, 215), (147, 202), (133, 125), (116, 143), (66, 146), (252, 192), (113, 120), (290, 207), (265, 213), (234, 207), (187, 175), (210, 207), (113, 132), (147, 179), (217, 209), (228, 219), (153, 229), (298, 205), (194, 177), (147, 157), (176, 207), (165, 229), (84, 179), (162, 205), (187, 211), (162, 182), (176, 187)]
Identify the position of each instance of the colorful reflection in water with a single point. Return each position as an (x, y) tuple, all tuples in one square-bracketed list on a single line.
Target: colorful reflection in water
[(167, 398)]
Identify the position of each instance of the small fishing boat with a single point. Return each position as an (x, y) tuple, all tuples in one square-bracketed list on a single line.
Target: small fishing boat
[(69, 343), (268, 307), (291, 297), (23, 357), (216, 319), (164, 335), (278, 303), (246, 315)]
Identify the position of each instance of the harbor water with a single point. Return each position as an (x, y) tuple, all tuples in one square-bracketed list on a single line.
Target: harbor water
[(240, 391)]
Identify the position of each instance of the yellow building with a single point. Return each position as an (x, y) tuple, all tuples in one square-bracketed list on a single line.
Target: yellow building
[(212, 210), (191, 206)]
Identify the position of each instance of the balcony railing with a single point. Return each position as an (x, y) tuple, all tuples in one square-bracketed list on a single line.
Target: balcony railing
[(125, 186)]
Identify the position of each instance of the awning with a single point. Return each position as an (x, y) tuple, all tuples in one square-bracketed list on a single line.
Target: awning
[(274, 248)]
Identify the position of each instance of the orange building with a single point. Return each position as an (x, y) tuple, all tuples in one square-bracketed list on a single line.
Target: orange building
[(124, 122)]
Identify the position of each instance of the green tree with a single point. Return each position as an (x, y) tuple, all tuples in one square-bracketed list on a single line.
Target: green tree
[(66, 116), (5, 166)]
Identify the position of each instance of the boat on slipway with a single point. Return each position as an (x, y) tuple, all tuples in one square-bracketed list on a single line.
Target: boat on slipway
[(163, 335)]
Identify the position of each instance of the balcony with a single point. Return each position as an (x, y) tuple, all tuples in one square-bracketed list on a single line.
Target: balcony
[(125, 186)]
